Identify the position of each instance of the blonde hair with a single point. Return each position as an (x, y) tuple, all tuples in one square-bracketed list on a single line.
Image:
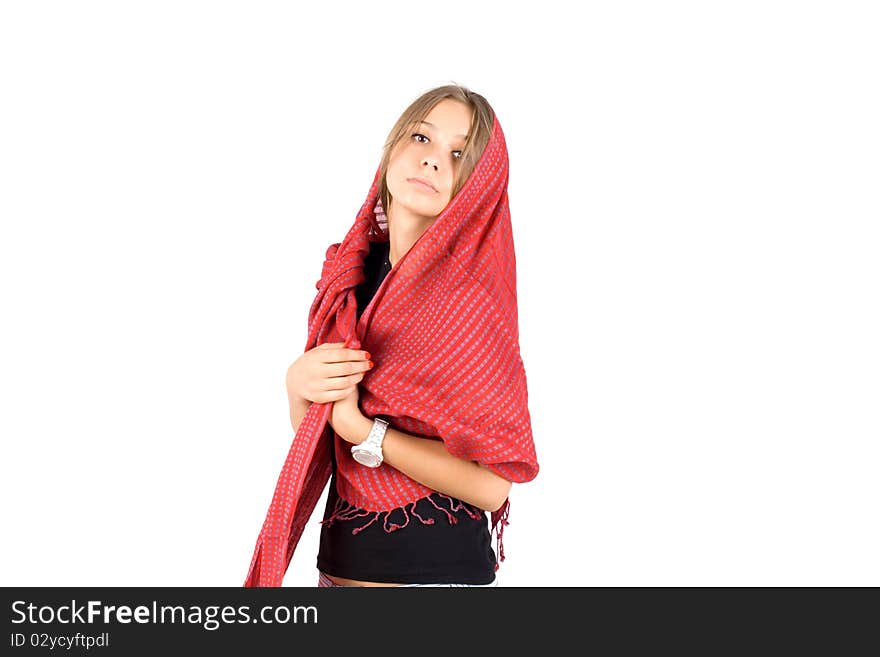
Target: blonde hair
[(478, 135)]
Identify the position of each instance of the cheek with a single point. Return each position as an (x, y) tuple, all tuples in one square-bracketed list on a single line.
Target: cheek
[(444, 196), (392, 179), (446, 191), (396, 175)]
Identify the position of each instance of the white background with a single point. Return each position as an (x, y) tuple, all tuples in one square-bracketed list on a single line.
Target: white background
[(694, 195)]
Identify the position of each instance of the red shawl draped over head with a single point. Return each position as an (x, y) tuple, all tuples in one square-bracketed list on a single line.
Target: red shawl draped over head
[(442, 330)]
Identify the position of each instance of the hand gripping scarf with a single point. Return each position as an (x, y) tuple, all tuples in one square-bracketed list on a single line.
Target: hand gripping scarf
[(442, 330)]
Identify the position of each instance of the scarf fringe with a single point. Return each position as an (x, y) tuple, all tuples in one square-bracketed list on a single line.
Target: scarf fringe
[(343, 510), (499, 520)]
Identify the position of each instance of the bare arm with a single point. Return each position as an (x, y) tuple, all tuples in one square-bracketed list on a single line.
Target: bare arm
[(298, 408), (428, 462)]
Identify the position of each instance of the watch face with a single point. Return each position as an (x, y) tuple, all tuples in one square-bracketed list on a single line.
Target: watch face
[(366, 458)]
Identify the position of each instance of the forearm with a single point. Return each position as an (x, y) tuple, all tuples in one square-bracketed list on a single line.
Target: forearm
[(429, 463), (298, 408)]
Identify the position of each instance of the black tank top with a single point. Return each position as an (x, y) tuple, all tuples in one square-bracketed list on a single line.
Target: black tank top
[(417, 553)]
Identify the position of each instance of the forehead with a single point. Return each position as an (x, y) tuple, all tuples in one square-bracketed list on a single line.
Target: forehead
[(450, 117)]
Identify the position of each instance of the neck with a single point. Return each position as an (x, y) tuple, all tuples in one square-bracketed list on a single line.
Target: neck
[(404, 228)]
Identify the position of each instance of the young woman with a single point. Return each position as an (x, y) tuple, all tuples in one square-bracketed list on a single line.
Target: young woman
[(436, 306)]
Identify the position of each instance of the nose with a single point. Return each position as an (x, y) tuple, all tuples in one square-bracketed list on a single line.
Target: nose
[(430, 157)]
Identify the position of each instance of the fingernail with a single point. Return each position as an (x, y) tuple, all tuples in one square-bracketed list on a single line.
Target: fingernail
[(371, 365), (367, 353)]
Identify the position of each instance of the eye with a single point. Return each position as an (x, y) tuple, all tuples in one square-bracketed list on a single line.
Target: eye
[(418, 134)]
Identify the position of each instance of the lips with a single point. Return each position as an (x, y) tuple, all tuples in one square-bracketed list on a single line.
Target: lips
[(423, 184)]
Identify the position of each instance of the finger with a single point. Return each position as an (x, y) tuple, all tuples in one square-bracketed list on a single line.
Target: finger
[(341, 355), (335, 395), (345, 368), (340, 382)]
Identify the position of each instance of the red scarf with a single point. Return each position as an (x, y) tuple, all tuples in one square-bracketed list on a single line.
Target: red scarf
[(443, 332)]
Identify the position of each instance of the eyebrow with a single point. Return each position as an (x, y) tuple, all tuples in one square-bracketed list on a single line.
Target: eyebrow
[(435, 127)]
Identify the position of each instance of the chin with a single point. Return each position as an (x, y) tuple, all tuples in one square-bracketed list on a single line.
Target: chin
[(422, 209), (415, 202)]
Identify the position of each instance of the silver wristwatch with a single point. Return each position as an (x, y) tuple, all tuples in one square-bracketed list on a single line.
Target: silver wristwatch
[(369, 452)]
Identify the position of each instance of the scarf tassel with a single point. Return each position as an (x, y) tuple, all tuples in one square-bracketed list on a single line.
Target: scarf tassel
[(343, 510), (346, 511), (499, 520)]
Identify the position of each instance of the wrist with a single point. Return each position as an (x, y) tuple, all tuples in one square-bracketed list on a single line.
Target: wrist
[(357, 428), (369, 452), (295, 399)]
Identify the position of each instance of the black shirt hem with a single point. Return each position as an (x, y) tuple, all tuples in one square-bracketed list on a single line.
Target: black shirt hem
[(421, 576)]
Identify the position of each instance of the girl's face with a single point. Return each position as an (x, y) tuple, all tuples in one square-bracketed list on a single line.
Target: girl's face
[(431, 151)]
